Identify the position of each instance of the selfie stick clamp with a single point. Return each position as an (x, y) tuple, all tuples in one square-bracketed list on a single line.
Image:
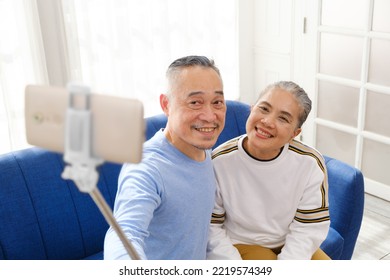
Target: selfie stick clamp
[(78, 153)]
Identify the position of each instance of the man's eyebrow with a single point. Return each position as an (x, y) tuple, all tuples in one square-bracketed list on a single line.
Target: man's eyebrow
[(201, 92), (195, 93)]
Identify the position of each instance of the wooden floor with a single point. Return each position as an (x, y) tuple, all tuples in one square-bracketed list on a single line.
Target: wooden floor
[(373, 242)]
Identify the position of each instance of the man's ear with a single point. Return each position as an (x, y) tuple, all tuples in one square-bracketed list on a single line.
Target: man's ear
[(164, 103)]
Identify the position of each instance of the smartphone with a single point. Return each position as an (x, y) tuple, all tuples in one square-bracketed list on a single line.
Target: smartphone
[(117, 124)]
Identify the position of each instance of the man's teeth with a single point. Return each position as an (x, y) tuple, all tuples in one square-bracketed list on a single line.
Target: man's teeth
[(206, 129)]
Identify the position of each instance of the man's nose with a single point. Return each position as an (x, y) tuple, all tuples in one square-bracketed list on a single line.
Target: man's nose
[(209, 113)]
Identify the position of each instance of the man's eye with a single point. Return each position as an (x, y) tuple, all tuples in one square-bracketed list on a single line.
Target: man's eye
[(195, 104), (219, 103)]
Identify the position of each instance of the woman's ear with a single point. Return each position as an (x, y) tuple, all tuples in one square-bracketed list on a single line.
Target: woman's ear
[(296, 133)]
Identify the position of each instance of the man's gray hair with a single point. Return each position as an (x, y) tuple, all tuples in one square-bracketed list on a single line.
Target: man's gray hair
[(192, 60), (184, 62)]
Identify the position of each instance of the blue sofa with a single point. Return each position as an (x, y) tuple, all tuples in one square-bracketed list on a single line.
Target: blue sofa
[(45, 217)]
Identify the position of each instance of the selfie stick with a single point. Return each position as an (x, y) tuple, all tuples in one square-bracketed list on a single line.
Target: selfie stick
[(82, 164)]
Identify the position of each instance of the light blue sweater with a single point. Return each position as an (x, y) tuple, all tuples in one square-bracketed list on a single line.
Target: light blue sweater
[(163, 204)]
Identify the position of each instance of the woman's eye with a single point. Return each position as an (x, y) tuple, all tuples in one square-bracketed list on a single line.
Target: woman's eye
[(263, 109), (284, 119)]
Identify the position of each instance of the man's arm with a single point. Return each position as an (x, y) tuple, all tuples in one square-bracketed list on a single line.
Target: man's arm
[(135, 202)]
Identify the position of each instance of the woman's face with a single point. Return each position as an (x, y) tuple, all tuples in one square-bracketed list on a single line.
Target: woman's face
[(272, 123)]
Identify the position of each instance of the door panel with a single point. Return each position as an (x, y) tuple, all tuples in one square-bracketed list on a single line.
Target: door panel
[(338, 47), (351, 112), (333, 98)]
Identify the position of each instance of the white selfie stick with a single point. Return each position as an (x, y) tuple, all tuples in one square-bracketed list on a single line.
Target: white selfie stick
[(78, 153)]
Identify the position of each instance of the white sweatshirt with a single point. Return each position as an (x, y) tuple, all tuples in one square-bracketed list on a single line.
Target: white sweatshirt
[(273, 203)]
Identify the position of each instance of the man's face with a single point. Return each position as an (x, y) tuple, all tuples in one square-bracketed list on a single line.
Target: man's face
[(272, 123), (195, 109)]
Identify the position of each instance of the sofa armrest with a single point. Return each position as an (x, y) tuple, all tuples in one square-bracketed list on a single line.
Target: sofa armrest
[(333, 244), (346, 202)]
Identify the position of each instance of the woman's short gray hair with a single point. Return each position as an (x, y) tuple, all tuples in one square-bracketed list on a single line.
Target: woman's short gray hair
[(299, 93)]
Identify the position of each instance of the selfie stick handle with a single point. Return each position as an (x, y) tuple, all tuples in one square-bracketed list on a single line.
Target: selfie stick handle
[(78, 153)]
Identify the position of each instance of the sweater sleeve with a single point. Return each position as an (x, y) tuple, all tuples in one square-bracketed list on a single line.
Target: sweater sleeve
[(115, 250), (311, 222), (220, 246), (136, 200)]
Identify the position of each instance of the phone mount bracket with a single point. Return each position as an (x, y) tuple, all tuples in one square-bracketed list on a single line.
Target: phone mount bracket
[(81, 163)]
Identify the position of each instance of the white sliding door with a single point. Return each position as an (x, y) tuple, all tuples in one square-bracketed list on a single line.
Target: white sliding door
[(352, 87)]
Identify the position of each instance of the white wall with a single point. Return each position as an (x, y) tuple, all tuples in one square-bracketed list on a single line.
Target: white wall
[(273, 40)]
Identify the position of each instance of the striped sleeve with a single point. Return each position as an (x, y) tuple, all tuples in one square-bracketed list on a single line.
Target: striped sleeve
[(321, 213), (217, 218)]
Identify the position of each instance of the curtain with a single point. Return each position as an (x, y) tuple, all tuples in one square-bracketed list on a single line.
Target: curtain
[(120, 47), (123, 47), (21, 62)]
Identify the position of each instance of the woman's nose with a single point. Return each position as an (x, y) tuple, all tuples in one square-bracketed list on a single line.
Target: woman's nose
[(267, 121)]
